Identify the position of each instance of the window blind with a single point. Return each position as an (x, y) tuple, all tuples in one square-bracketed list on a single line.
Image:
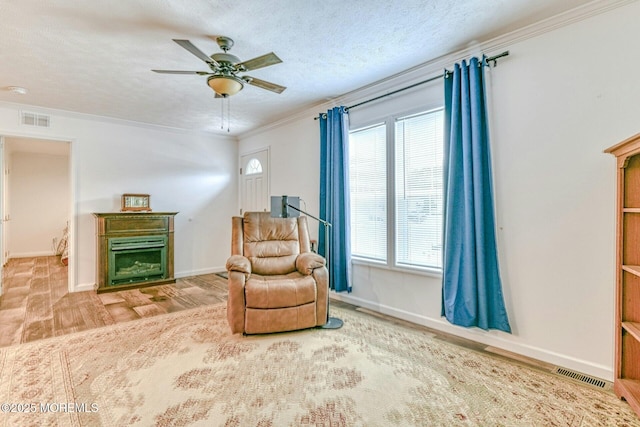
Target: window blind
[(418, 185), (368, 181)]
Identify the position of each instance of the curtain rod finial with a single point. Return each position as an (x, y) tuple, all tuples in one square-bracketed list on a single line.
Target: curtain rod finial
[(495, 58)]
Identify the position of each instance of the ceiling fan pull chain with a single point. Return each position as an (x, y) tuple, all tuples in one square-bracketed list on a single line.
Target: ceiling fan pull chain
[(221, 113), (228, 114)]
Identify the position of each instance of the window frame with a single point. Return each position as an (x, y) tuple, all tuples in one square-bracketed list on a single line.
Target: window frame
[(391, 263)]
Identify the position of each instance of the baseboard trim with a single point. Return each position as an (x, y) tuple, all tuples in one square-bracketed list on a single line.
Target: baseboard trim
[(199, 272), (92, 286), (491, 338), (32, 254), (85, 287)]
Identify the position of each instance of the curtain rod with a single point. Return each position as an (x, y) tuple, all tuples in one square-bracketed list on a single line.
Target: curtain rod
[(493, 59)]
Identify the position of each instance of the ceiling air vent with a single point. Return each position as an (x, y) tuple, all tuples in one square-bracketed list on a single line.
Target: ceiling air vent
[(33, 119)]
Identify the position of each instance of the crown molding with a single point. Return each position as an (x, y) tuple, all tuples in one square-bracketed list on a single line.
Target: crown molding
[(580, 13), (112, 120), (304, 113), (438, 65), (492, 46)]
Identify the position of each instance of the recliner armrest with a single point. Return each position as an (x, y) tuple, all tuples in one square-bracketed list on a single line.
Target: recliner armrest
[(239, 263), (309, 261)]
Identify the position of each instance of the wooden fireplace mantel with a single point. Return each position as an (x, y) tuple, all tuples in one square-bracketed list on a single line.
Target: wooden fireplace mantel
[(117, 228)]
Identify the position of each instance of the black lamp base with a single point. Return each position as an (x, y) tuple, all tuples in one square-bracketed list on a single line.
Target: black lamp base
[(332, 323)]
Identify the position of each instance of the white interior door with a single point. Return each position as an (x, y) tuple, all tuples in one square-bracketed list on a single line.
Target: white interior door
[(254, 182)]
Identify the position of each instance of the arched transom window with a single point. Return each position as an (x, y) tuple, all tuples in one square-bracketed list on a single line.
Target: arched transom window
[(254, 166)]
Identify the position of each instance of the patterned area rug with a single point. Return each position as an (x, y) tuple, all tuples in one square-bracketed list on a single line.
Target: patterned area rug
[(185, 369)]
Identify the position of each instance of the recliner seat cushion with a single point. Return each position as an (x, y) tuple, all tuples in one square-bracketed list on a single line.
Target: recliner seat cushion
[(291, 290), (282, 264)]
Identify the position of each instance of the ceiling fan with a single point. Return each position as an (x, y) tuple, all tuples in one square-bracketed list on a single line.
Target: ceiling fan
[(223, 77)]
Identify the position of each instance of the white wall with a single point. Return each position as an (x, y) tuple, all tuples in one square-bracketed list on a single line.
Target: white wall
[(192, 173), (295, 162), (559, 99), (39, 202)]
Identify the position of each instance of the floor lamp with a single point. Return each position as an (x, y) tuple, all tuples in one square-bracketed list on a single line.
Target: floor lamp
[(280, 209)]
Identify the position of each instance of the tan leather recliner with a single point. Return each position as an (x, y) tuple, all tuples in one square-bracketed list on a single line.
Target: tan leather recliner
[(275, 282)]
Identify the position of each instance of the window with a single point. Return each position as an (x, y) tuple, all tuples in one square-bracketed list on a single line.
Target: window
[(254, 166), (368, 181), (418, 141), (396, 178)]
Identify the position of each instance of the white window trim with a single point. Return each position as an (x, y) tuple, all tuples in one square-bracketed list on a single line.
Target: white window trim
[(403, 268), (391, 262)]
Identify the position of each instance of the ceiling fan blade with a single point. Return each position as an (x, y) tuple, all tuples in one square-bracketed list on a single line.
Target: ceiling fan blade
[(197, 52), (264, 84), (259, 62), (200, 73)]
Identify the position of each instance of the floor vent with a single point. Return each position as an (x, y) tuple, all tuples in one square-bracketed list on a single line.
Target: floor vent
[(33, 119), (596, 382)]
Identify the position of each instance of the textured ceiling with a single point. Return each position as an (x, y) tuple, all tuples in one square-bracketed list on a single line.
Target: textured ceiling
[(95, 56)]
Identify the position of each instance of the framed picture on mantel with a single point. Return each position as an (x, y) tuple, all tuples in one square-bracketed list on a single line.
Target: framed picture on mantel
[(135, 203)]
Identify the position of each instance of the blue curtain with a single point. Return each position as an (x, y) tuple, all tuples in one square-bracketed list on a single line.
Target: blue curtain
[(334, 197), (471, 288)]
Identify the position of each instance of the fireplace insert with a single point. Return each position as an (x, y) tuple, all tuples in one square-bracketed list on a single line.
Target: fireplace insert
[(137, 259)]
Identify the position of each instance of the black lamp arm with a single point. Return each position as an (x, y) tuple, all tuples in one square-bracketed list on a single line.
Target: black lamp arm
[(326, 223)]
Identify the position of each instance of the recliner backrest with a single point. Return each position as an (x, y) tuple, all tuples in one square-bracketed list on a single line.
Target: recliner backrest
[(271, 244)]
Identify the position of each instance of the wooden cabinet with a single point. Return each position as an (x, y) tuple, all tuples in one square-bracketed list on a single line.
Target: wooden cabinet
[(627, 322), (134, 250)]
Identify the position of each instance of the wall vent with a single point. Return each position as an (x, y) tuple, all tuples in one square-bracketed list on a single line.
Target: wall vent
[(33, 119), (596, 382)]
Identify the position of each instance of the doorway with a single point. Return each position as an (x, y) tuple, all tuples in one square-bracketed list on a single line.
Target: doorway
[(254, 181), (36, 208)]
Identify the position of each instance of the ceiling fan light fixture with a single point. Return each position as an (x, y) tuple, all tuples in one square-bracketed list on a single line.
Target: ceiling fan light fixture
[(225, 85)]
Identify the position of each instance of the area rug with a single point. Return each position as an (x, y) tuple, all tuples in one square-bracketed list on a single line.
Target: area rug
[(186, 369)]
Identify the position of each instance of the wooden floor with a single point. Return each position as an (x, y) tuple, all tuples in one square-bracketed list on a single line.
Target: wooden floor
[(36, 303)]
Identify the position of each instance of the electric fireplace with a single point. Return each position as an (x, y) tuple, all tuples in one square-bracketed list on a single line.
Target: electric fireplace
[(134, 250), (136, 259)]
